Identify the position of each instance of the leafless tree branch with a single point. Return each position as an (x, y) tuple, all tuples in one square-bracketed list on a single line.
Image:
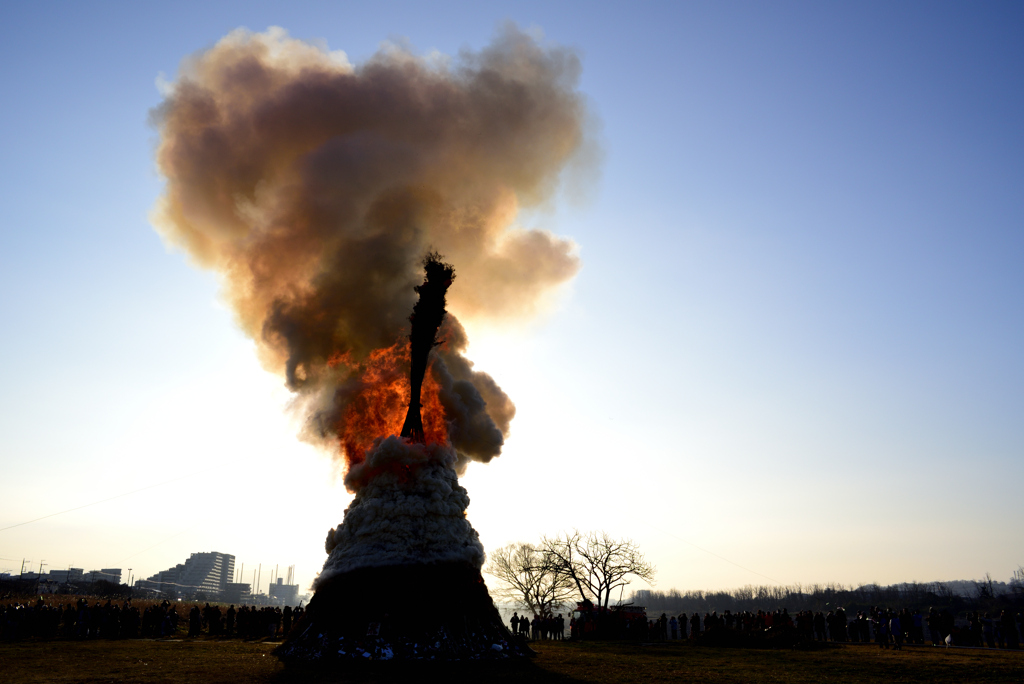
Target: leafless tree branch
[(595, 563), (525, 578)]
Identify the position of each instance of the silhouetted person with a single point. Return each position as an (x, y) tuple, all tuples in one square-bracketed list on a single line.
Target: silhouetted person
[(881, 630), (896, 629), (195, 622), (1009, 629), (988, 626)]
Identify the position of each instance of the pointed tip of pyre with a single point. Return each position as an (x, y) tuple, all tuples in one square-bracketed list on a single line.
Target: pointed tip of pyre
[(427, 316)]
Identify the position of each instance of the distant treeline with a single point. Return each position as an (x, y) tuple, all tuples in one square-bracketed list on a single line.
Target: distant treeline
[(103, 588), (986, 596)]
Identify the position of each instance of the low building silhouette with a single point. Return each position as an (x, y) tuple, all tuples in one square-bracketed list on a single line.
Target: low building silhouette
[(284, 594), (236, 593), (109, 574)]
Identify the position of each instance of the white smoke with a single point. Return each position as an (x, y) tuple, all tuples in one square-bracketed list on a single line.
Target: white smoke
[(409, 509)]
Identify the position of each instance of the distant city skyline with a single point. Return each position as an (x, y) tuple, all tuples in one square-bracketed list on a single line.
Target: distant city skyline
[(210, 576)]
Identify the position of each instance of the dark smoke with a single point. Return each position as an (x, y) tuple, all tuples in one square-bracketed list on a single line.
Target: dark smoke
[(314, 188)]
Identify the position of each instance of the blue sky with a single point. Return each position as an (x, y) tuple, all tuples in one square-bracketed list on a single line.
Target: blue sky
[(795, 340)]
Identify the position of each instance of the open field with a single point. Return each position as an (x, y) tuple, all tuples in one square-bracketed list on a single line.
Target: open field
[(213, 662)]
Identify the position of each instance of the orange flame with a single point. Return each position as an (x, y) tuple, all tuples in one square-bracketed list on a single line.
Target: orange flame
[(381, 399)]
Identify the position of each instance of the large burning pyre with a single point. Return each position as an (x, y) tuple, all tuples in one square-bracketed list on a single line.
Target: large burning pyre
[(402, 578), (314, 188)]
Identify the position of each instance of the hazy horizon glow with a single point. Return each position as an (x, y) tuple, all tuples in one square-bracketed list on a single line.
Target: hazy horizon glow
[(794, 342)]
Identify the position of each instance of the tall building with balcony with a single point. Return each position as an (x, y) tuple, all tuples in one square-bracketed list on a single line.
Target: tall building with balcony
[(206, 573)]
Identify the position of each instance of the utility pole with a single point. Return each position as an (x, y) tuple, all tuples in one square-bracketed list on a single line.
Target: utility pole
[(22, 568), (41, 564)]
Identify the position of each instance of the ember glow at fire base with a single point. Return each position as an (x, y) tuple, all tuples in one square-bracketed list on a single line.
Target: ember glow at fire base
[(314, 188)]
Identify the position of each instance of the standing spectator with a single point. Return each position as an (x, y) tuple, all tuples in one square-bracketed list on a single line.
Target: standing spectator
[(840, 624), (1009, 629), (896, 629), (287, 620), (881, 629), (195, 621), (988, 628), (819, 626)]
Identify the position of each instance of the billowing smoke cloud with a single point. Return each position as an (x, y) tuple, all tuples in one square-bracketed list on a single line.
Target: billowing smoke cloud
[(315, 187), (479, 413)]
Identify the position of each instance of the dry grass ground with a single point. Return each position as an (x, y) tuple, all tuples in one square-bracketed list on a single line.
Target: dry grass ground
[(213, 662)]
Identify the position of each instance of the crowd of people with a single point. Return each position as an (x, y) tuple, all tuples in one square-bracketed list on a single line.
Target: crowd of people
[(110, 620), (538, 628), (886, 628), (78, 619)]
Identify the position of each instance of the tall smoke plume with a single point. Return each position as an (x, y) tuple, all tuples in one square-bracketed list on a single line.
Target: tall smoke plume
[(314, 188)]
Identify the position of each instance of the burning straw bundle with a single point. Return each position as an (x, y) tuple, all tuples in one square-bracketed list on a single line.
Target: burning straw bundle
[(402, 579)]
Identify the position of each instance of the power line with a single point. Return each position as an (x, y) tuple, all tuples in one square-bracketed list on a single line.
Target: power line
[(711, 553), (94, 503), (176, 534), (689, 543)]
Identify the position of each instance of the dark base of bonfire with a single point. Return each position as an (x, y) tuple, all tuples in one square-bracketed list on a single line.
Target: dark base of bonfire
[(418, 612)]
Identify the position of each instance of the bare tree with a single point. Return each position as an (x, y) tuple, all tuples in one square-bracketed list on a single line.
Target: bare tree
[(1017, 583), (595, 563), (526, 579), (984, 588)]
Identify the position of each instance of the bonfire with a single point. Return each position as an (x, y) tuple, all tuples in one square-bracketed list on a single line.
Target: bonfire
[(402, 578)]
